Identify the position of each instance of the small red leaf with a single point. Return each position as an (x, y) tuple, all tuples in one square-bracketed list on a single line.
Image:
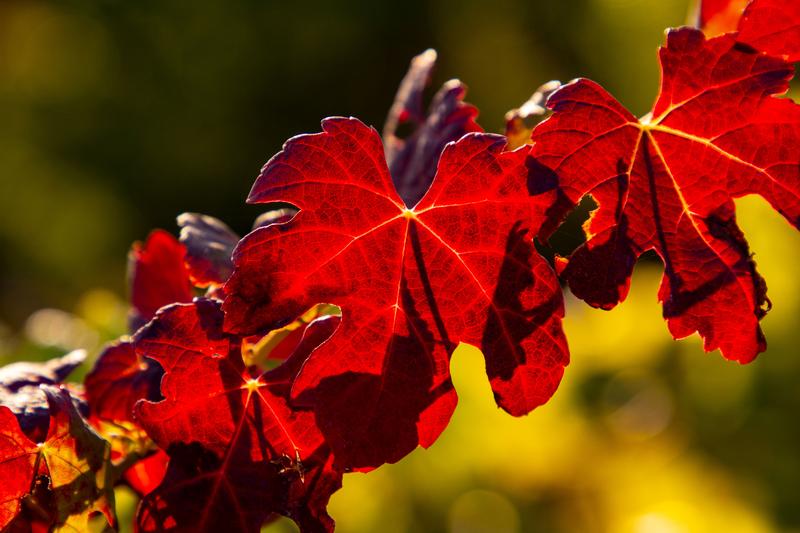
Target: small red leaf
[(58, 482), (411, 284), (209, 244), (158, 276), (238, 451), (666, 183), (119, 379), (17, 460), (145, 475)]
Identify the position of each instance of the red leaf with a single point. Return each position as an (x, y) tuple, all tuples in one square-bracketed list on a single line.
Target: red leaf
[(158, 276), (411, 284), (666, 183), (62, 480), (238, 452), (119, 379), (145, 475), (17, 460), (772, 26)]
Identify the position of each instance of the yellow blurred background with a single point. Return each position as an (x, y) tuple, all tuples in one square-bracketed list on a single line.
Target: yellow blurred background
[(117, 116)]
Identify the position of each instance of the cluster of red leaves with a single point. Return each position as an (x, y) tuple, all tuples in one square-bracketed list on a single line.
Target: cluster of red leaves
[(242, 392)]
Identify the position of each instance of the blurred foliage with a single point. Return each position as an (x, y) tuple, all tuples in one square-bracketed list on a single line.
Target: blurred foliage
[(119, 115)]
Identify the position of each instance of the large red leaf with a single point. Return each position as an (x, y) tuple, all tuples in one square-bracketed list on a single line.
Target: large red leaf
[(238, 452), (411, 284), (666, 183)]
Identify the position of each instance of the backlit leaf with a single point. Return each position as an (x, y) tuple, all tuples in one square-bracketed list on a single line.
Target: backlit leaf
[(411, 283), (667, 182), (238, 451)]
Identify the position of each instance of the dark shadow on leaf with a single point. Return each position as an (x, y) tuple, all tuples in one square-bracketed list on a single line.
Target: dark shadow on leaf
[(598, 274), (722, 226), (363, 400), (510, 322), (543, 180)]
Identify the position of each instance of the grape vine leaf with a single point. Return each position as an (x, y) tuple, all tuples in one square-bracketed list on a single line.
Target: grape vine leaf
[(238, 451), (412, 156), (772, 26), (60, 481), (162, 271), (667, 183), (158, 276), (119, 379), (411, 284), (17, 460)]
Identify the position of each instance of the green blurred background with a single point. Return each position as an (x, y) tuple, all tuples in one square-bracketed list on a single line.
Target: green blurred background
[(115, 116)]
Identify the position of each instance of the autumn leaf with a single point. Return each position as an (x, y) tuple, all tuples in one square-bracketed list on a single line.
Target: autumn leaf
[(667, 182), (119, 379), (59, 482), (135, 459), (17, 462), (772, 26), (412, 138), (411, 284), (158, 276), (238, 451)]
